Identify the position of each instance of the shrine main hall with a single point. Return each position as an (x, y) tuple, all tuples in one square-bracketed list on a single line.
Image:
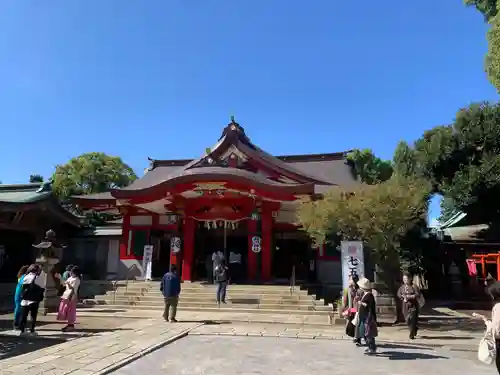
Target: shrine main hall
[(237, 199)]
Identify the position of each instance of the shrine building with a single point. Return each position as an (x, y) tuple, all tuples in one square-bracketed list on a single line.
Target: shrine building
[(235, 198)]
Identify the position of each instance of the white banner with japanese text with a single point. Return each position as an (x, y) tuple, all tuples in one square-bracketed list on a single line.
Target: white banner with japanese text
[(147, 262), (352, 259)]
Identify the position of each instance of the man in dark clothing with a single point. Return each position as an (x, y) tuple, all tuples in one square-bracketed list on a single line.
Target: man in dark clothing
[(171, 288), (221, 279)]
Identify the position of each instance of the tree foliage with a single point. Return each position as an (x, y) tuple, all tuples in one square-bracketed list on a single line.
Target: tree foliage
[(489, 9), (90, 173), (448, 210), (36, 178), (380, 215), (369, 168), (462, 160)]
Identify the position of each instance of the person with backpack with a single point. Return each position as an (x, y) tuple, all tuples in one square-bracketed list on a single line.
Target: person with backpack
[(221, 280), (33, 290)]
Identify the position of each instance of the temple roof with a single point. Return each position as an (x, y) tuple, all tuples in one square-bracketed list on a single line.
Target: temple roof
[(301, 173), (27, 196)]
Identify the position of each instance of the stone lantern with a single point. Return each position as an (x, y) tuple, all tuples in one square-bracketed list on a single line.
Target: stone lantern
[(48, 256)]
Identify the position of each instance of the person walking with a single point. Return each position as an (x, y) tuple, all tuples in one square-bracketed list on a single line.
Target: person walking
[(171, 289), (352, 296), (33, 290), (493, 324), (410, 296), (217, 258), (69, 299), (221, 279), (368, 316), (18, 296)]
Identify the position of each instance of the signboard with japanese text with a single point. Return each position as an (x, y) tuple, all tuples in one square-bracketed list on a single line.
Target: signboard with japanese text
[(256, 244), (352, 259), (147, 262), (175, 245)]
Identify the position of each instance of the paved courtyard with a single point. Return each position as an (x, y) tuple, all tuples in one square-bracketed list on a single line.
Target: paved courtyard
[(223, 355)]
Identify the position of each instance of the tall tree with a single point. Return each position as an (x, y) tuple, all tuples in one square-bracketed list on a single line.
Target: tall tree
[(448, 210), (404, 160), (90, 173), (462, 160), (380, 215), (489, 9), (369, 168), (36, 178)]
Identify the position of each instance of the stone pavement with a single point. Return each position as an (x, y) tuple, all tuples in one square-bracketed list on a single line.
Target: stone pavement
[(95, 353), (225, 355), (231, 316)]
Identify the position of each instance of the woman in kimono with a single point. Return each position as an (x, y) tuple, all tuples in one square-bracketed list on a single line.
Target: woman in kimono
[(368, 316), (18, 296), (69, 299), (410, 295), (352, 296)]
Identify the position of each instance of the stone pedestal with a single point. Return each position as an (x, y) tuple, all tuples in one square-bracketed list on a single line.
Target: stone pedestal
[(50, 302)]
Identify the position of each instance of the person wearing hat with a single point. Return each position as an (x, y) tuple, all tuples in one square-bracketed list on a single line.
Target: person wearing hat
[(368, 316)]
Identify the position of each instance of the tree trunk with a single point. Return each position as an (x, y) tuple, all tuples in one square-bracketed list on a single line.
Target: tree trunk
[(388, 306)]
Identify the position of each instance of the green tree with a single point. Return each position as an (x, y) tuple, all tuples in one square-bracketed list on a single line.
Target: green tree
[(489, 9), (404, 161), (369, 168), (36, 178), (462, 161), (380, 215), (448, 210), (90, 173)]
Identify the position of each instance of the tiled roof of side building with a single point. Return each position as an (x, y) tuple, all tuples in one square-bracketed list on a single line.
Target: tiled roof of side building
[(22, 193)]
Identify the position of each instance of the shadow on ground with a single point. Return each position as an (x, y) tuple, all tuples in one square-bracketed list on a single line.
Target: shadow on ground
[(207, 322), (12, 346), (408, 356)]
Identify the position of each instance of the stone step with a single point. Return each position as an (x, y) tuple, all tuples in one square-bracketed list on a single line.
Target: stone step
[(224, 308), (190, 286), (159, 298), (213, 289), (226, 316), (182, 302), (210, 293)]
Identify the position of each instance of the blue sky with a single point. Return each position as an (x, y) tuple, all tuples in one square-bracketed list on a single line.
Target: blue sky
[(161, 78)]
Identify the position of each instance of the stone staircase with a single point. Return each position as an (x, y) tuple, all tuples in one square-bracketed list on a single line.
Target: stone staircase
[(255, 299)]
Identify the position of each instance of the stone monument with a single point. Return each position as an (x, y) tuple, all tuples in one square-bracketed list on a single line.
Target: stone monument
[(48, 256)]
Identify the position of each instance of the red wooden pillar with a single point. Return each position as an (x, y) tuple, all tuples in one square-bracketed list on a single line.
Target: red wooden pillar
[(267, 230), (124, 240), (188, 248), (252, 257)]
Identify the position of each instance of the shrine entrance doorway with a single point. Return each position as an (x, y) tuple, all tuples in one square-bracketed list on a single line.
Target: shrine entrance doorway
[(290, 252), (226, 238)]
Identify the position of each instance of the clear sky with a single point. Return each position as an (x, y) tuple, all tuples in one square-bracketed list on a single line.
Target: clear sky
[(161, 78)]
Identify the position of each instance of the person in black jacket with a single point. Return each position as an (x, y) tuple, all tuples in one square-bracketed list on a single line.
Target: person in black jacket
[(221, 279), (368, 315), (171, 288), (33, 290)]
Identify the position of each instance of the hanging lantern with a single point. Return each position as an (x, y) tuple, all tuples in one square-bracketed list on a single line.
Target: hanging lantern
[(207, 225)]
